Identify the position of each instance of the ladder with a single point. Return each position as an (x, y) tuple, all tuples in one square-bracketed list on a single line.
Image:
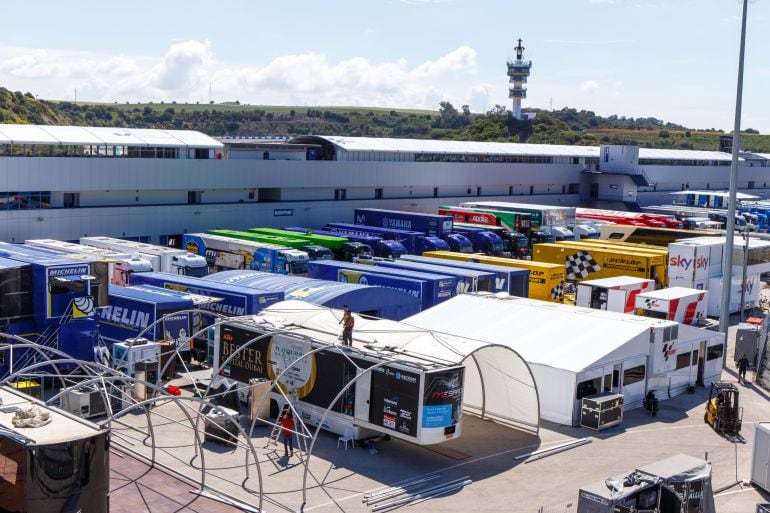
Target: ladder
[(276, 431)]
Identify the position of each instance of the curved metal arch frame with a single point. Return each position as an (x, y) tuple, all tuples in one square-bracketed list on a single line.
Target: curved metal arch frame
[(162, 396)]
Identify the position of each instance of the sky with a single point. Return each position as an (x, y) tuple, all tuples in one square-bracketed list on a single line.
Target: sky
[(675, 60)]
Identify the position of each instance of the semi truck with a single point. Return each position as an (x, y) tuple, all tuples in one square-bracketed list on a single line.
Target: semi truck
[(166, 260), (483, 240), (430, 224), (358, 246), (227, 253), (548, 218), (416, 243), (121, 265), (317, 247), (515, 243), (437, 287), (546, 280), (583, 262), (507, 279), (612, 294)]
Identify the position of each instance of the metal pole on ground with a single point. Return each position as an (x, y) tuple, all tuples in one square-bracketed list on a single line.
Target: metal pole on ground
[(746, 235), (727, 262)]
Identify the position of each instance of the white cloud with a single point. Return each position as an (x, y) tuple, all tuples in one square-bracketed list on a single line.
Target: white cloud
[(589, 86), (185, 71)]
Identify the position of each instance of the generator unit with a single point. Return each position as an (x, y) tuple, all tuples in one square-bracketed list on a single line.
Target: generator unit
[(85, 402), (139, 359)]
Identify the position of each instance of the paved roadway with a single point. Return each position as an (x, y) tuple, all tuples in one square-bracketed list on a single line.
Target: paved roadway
[(338, 478)]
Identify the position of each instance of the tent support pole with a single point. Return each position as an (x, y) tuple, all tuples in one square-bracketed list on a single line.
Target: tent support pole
[(483, 388)]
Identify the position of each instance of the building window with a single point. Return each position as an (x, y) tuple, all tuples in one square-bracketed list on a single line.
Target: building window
[(531, 189), (340, 194), (478, 191), (193, 197), (574, 188), (435, 192), (468, 190), (71, 200), (510, 190), (633, 375), (714, 352), (378, 193), (24, 200), (683, 360), (751, 185), (588, 387)]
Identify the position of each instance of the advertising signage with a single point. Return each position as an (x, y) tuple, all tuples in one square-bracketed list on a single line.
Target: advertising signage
[(442, 403), (395, 399)]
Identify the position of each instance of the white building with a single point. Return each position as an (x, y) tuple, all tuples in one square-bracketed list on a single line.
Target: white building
[(70, 182)]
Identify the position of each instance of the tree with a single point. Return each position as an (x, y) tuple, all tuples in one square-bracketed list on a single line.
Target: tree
[(466, 110)]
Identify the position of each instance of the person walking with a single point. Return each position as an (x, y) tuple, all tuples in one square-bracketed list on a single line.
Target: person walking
[(743, 366), (347, 322), (287, 433)]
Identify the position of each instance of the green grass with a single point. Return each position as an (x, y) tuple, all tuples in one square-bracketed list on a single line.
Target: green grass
[(678, 139), (275, 109)]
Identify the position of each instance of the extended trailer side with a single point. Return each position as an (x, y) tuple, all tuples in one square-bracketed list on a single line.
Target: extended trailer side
[(407, 400)]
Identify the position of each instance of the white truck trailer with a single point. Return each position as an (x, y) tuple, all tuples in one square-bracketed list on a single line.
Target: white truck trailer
[(122, 265), (166, 260)]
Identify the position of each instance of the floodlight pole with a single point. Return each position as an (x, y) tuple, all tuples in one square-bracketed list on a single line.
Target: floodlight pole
[(727, 262)]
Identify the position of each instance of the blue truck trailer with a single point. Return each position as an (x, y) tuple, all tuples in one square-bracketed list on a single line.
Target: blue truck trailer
[(438, 287), (430, 224), (235, 299), (468, 280), (382, 302), (507, 279), (415, 242)]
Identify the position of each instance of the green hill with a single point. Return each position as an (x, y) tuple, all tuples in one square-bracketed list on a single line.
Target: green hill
[(565, 126)]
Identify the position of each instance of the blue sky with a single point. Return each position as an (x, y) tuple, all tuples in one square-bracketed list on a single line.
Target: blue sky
[(672, 59)]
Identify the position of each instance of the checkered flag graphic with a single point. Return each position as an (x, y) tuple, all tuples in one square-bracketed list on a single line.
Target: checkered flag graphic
[(557, 291), (580, 265)]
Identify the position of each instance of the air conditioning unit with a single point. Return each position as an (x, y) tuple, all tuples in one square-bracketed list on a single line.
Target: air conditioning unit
[(85, 402)]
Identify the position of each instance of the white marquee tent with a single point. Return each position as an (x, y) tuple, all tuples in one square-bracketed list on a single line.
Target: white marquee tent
[(575, 352), (498, 382)]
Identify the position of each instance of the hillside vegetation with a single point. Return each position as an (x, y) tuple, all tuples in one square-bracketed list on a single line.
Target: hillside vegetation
[(565, 126)]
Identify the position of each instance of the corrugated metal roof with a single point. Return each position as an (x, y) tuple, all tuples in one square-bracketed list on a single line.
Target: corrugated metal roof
[(112, 136), (655, 153), (361, 144), (356, 144)]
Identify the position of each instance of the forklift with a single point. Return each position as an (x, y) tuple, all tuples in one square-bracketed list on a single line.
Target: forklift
[(722, 411)]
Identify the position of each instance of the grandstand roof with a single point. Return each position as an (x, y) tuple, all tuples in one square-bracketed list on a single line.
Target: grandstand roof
[(108, 136), (391, 145)]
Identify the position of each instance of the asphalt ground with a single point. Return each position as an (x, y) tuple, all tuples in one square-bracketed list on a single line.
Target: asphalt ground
[(337, 479)]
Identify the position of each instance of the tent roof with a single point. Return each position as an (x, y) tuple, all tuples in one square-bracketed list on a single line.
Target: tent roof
[(559, 336), (671, 293), (510, 394), (615, 281)]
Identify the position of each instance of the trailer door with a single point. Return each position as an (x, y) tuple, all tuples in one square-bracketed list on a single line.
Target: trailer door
[(634, 380), (363, 394), (616, 300)]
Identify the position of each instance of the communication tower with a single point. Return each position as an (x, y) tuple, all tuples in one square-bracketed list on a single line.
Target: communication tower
[(518, 71)]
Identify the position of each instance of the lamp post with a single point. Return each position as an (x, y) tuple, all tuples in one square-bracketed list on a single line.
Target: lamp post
[(727, 263), (746, 235)]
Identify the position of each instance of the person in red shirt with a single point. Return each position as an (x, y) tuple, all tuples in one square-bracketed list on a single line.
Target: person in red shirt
[(287, 433)]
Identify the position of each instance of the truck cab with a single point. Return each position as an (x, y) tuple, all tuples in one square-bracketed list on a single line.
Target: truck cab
[(484, 241), (296, 261), (390, 249), (189, 265), (584, 231), (458, 243), (127, 265), (540, 237), (316, 252), (354, 250), (559, 232), (431, 243)]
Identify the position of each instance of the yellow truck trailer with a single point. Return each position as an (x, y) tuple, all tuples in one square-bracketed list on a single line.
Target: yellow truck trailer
[(545, 280), (624, 246), (590, 262)]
